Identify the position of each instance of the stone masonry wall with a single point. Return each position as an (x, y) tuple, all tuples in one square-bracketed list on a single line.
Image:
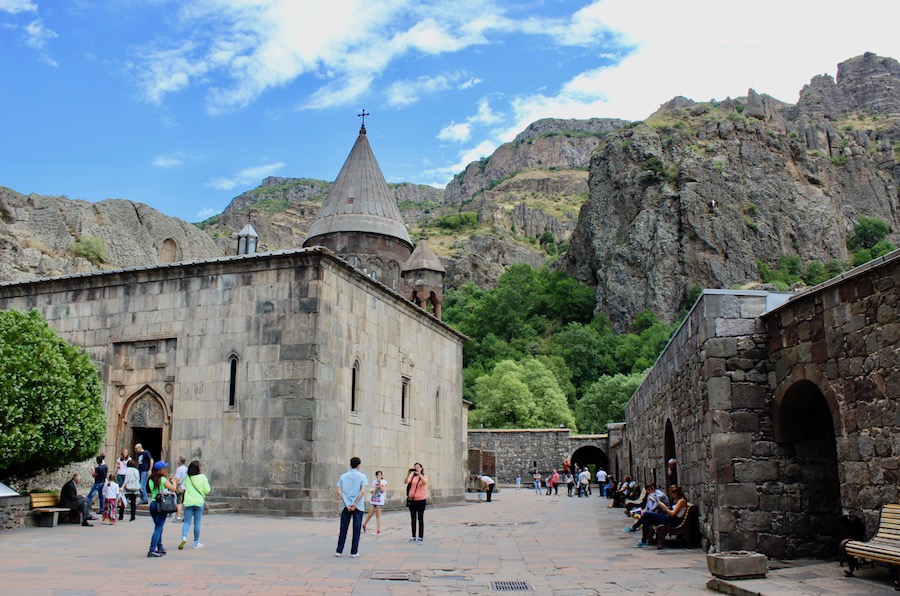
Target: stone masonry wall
[(710, 384), (845, 338)]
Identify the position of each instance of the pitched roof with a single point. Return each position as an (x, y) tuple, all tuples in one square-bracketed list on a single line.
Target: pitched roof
[(359, 200), (423, 258)]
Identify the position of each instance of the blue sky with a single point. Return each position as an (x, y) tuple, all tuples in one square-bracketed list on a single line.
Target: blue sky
[(183, 105)]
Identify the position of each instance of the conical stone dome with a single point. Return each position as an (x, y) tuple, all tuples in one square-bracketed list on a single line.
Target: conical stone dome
[(359, 201)]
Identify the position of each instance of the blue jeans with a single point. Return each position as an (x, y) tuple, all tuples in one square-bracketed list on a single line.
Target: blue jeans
[(159, 520), (346, 515), (648, 521), (144, 477), (537, 486), (97, 489), (193, 513)]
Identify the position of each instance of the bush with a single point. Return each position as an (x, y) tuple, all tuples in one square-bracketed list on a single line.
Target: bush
[(91, 248), (457, 221), (868, 232), (50, 396)]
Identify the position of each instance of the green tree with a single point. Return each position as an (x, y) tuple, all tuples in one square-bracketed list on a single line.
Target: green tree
[(605, 400), (522, 394), (868, 232), (50, 397)]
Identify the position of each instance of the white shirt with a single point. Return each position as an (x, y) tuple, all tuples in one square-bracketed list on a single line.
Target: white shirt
[(379, 487), (601, 475)]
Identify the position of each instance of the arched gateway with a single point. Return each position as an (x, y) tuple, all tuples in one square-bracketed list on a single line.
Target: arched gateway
[(145, 421)]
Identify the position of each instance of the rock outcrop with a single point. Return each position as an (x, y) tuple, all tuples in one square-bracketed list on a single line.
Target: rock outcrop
[(698, 193), (40, 236)]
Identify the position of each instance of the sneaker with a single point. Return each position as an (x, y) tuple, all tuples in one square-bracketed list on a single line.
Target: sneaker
[(338, 554), (628, 529), (153, 553), (640, 544), (354, 555), (199, 545), (420, 539), (413, 539), (378, 532), (182, 543)]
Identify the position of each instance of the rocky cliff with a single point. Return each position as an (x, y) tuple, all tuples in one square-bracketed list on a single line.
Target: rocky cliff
[(44, 236), (698, 192)]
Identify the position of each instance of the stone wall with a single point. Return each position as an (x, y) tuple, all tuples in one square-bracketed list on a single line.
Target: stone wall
[(294, 322), (519, 451), (844, 337)]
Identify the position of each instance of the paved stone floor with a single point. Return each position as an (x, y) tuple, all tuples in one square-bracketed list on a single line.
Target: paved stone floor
[(556, 545)]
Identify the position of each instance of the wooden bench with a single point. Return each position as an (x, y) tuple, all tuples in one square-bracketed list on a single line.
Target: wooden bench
[(638, 503), (883, 548), (684, 529), (46, 505)]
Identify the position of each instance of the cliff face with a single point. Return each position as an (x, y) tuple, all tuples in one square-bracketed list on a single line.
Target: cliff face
[(39, 235), (698, 192)]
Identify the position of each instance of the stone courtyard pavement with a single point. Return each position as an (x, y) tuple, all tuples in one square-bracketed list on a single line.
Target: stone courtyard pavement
[(554, 545)]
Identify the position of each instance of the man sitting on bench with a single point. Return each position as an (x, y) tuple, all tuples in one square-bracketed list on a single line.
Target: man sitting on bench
[(68, 497)]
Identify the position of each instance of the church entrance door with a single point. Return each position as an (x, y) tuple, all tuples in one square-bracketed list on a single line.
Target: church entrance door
[(146, 422)]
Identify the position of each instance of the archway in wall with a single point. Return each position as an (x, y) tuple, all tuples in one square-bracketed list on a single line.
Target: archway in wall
[(146, 423), (804, 428), (590, 456)]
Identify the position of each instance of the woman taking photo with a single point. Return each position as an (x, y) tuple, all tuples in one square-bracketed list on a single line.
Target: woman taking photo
[(158, 482), (416, 481), (196, 487)]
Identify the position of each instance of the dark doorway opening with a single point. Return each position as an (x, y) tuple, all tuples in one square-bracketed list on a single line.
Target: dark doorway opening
[(669, 477), (805, 429), (592, 457), (150, 439)]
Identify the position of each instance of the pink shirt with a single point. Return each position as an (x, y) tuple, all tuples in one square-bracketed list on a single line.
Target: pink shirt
[(417, 489)]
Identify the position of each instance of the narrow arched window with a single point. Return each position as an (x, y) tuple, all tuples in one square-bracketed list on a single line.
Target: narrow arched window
[(437, 413), (354, 387), (404, 399), (232, 381)]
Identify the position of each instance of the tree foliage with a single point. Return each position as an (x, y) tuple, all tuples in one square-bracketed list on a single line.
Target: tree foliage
[(605, 400), (50, 398), (868, 232), (522, 394)]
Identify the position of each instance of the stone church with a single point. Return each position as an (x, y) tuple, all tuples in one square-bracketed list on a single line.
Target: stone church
[(276, 368)]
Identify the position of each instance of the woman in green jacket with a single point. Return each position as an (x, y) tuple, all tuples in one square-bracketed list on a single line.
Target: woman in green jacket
[(196, 487)]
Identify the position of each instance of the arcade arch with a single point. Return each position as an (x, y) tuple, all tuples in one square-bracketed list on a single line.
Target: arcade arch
[(591, 456)]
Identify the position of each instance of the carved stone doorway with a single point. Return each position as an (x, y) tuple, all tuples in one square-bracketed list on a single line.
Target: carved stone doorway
[(147, 423)]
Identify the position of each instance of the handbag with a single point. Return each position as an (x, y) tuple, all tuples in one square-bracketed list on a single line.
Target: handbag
[(166, 503)]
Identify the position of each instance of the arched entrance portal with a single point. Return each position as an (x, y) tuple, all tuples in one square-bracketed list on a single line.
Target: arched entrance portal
[(590, 456), (146, 423), (805, 429)]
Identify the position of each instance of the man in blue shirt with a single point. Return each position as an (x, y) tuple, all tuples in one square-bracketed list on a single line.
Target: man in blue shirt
[(351, 490), (145, 461)]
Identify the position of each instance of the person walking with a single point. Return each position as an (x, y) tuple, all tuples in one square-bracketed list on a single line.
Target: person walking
[(196, 487), (100, 473), (376, 502), (132, 487), (158, 482), (417, 499), (351, 488), (181, 473), (145, 462)]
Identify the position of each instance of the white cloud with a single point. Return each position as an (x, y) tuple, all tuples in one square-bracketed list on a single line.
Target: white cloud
[(206, 213), (251, 175), (166, 161), (37, 37), (404, 93), (459, 133), (469, 83), (16, 6)]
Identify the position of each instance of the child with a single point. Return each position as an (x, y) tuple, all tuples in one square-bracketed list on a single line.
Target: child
[(518, 483), (111, 497), (377, 501)]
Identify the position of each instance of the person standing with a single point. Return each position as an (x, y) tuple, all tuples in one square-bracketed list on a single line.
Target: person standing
[(487, 485), (555, 481), (537, 481), (601, 481), (570, 482), (196, 487), (111, 498), (378, 490), (132, 487), (121, 465), (416, 483), (68, 497), (100, 473), (181, 473), (158, 482), (351, 490), (145, 462)]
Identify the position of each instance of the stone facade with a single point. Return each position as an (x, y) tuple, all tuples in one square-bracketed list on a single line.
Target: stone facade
[(518, 451), (782, 415), (274, 369)]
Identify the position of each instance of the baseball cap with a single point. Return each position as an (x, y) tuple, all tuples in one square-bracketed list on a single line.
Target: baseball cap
[(160, 465)]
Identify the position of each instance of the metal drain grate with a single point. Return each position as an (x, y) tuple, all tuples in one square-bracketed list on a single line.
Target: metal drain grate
[(511, 587)]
